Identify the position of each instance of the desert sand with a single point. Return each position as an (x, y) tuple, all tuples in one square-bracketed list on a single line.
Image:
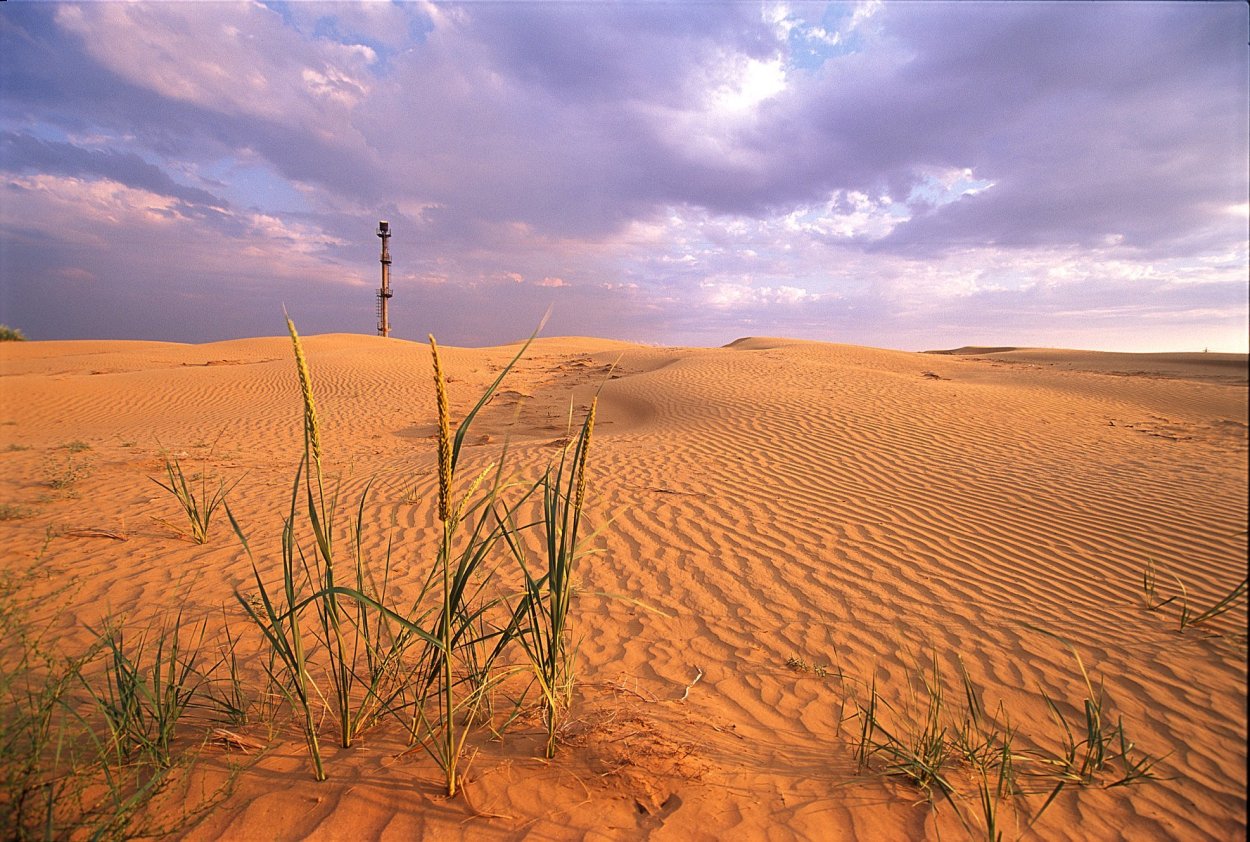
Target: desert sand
[(801, 517)]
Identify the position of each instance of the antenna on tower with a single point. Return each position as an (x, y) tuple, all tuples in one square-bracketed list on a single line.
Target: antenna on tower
[(384, 294)]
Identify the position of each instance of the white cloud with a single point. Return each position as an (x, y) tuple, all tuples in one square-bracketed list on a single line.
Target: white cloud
[(335, 85), (729, 294), (227, 57), (848, 215), (711, 167), (864, 12), (77, 207)]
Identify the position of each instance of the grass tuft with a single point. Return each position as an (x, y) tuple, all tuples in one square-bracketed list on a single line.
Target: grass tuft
[(148, 686), (87, 741), (96, 740), (543, 631), (198, 503), (953, 752), (1189, 616), (435, 661)]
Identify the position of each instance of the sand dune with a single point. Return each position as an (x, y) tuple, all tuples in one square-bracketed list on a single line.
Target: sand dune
[(1202, 366), (784, 503)]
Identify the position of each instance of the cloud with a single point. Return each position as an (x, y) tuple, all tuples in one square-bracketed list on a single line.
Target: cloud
[(237, 59), (668, 171), (22, 152)]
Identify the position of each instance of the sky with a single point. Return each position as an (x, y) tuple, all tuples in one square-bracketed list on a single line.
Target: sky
[(900, 175)]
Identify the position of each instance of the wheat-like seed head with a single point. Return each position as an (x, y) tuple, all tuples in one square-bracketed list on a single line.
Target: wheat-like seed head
[(444, 437), (305, 385), (473, 487), (581, 461)]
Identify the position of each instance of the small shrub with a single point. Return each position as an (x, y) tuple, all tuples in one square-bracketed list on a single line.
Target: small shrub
[(10, 511), (11, 334), (62, 476)]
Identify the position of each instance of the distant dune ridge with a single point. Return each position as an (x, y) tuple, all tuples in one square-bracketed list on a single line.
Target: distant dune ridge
[(1222, 368), (797, 510)]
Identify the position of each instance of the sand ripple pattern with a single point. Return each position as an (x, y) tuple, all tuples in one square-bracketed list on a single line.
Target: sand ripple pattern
[(842, 505)]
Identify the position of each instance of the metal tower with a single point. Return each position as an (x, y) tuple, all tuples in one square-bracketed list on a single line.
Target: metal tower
[(384, 294)]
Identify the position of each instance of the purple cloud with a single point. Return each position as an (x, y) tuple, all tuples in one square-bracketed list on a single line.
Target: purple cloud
[(905, 175)]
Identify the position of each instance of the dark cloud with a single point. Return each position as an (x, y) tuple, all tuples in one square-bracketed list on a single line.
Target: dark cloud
[(1094, 120), (21, 152), (49, 78), (586, 54)]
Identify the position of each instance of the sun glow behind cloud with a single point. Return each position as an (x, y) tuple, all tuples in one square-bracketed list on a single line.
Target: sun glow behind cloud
[(751, 82)]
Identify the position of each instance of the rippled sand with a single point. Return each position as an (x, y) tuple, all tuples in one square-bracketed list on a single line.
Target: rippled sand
[(780, 501)]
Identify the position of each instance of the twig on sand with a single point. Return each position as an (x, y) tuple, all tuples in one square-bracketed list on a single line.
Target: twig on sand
[(619, 687), (238, 741), (464, 793), (686, 694), (97, 533)]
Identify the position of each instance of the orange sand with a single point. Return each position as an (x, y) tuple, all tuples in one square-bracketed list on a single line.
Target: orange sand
[(779, 499)]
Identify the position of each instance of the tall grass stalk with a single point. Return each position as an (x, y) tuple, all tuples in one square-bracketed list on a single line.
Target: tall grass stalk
[(544, 609), (279, 623), (309, 578), (463, 634), (321, 513), (441, 657), (460, 628), (364, 643)]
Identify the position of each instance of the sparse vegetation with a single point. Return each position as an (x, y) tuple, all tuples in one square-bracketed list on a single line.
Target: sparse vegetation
[(798, 664), (199, 504), (11, 334), (12, 511), (86, 740), (953, 753), (87, 743), (146, 689), (63, 474), (543, 629), (433, 662), (1189, 616)]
